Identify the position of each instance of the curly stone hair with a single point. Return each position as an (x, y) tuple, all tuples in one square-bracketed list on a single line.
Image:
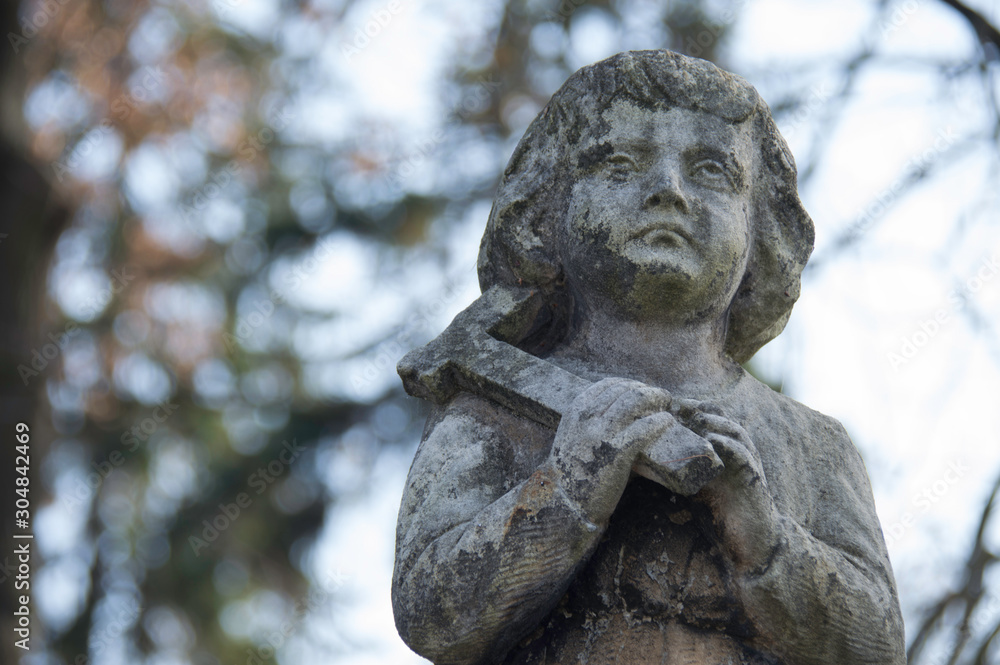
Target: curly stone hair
[(520, 245)]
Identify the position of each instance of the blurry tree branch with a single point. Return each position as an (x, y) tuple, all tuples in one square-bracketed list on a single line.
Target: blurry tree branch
[(988, 35), (966, 598)]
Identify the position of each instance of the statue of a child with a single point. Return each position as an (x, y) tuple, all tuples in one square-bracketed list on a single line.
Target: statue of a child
[(655, 191)]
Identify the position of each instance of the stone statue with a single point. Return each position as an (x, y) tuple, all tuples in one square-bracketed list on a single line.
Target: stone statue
[(617, 489)]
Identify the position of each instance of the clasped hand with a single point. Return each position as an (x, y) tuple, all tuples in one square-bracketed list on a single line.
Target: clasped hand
[(619, 426)]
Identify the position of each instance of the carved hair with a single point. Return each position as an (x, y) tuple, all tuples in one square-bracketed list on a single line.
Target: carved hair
[(520, 245)]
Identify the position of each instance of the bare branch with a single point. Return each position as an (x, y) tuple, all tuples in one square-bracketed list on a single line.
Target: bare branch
[(985, 30), (969, 594)]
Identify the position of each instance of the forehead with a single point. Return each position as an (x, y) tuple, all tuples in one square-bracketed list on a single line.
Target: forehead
[(626, 124)]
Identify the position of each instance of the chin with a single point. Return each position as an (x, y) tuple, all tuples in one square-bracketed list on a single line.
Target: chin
[(674, 269), (678, 290)]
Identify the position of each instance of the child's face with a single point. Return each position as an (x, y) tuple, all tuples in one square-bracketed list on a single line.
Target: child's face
[(659, 213)]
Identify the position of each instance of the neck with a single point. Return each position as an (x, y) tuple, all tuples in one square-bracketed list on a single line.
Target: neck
[(684, 357)]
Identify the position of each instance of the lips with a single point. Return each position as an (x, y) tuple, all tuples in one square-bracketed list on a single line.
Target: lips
[(663, 234)]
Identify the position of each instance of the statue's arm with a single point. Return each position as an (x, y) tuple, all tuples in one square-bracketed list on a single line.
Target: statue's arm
[(826, 605), (484, 550), (488, 542), (821, 593)]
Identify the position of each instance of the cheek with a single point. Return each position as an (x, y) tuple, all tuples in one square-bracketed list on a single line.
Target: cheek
[(578, 208), (590, 216), (580, 223), (584, 245), (740, 248), (743, 230), (730, 225)]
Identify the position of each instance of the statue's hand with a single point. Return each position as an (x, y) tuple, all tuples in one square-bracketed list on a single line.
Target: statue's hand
[(745, 514), (731, 443), (680, 460), (600, 438)]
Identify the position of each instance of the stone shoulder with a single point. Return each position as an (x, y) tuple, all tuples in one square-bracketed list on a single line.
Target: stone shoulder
[(819, 474), (510, 441), (814, 433), (471, 453)]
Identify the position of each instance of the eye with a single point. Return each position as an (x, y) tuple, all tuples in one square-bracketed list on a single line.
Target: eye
[(711, 172), (619, 166)]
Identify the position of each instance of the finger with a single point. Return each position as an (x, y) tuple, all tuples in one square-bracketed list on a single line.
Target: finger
[(685, 407), (711, 407), (596, 399), (680, 460), (729, 429), (640, 401), (735, 453), (711, 422), (644, 431), (725, 449), (620, 389), (678, 443), (688, 408)]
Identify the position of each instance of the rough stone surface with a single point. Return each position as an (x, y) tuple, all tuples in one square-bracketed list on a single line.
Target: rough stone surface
[(600, 481)]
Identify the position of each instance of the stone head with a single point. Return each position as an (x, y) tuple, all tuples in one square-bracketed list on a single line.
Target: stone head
[(662, 181)]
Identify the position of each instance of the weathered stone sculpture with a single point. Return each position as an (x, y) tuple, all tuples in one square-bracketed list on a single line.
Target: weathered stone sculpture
[(600, 481)]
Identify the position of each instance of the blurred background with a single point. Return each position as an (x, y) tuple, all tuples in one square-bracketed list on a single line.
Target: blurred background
[(225, 221)]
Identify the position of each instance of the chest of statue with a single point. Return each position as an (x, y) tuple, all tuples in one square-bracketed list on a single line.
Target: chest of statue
[(656, 590)]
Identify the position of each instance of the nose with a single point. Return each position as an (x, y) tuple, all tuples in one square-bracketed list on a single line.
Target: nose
[(664, 189)]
